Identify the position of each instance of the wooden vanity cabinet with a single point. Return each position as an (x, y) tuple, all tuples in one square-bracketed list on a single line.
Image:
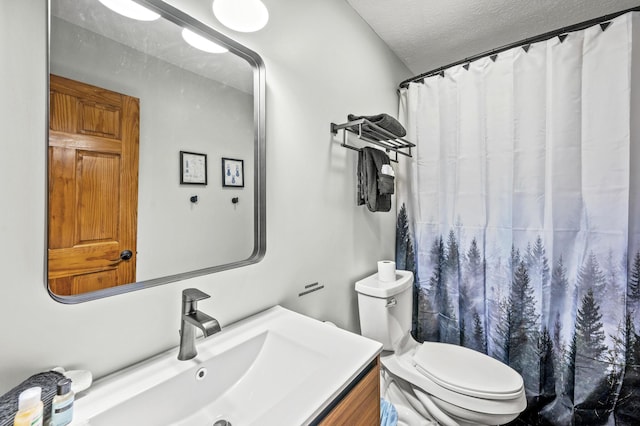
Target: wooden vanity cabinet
[(359, 404)]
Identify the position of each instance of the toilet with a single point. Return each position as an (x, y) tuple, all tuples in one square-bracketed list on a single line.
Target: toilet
[(433, 383)]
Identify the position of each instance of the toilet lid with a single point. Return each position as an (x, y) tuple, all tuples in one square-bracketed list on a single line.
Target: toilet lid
[(466, 371)]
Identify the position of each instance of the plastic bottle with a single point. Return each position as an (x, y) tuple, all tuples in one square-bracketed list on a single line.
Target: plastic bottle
[(29, 408), (62, 404)]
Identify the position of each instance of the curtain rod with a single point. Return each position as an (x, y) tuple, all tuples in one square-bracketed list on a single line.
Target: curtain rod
[(530, 40)]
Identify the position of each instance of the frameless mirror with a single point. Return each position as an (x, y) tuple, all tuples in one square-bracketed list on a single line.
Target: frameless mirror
[(155, 151)]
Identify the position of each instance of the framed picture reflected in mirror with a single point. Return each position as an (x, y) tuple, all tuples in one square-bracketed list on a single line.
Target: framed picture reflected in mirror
[(232, 172), (193, 168)]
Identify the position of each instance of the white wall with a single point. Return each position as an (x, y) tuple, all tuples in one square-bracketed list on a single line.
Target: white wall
[(179, 111), (322, 62)]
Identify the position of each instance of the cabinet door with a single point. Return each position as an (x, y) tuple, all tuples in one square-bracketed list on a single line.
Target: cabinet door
[(361, 406)]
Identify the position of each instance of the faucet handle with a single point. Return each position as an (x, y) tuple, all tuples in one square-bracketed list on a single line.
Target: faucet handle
[(193, 295)]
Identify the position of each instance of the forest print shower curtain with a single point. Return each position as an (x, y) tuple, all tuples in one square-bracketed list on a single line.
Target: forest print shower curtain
[(520, 217)]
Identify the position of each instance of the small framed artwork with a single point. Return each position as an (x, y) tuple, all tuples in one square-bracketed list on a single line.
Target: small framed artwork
[(232, 172), (193, 168)]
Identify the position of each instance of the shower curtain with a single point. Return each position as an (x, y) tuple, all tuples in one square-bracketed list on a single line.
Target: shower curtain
[(520, 217)]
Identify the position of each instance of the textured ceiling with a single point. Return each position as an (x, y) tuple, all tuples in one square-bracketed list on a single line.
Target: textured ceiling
[(427, 34)]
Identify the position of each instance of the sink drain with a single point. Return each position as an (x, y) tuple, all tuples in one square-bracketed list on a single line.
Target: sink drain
[(200, 375), (222, 423)]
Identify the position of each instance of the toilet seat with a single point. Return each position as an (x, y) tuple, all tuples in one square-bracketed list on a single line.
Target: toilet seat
[(467, 372), (401, 364), (479, 411)]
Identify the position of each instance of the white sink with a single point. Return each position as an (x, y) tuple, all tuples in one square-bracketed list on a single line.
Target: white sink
[(274, 368)]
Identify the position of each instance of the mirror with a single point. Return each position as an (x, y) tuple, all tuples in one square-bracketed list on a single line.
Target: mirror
[(156, 151)]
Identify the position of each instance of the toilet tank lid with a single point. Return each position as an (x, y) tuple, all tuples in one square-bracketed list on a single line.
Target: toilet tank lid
[(372, 286)]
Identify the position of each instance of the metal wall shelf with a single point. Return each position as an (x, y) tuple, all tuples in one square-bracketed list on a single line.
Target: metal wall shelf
[(374, 134)]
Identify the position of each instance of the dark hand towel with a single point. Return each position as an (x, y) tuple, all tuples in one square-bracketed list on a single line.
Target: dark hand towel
[(362, 183), (385, 184), (385, 121), (373, 193)]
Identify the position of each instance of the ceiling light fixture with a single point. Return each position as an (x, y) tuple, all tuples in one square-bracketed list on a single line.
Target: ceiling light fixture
[(131, 9), (241, 15), (201, 43)]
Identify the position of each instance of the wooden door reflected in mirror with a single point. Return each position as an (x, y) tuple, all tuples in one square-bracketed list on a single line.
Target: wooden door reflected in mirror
[(93, 187)]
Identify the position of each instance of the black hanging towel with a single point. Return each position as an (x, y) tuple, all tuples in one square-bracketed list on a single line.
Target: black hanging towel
[(374, 187)]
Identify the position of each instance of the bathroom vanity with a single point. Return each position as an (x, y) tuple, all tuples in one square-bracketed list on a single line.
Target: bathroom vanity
[(276, 367)]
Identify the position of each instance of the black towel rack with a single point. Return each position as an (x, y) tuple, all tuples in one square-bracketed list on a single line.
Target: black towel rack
[(373, 134)]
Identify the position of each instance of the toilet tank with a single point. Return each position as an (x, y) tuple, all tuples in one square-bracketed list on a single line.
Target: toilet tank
[(385, 308)]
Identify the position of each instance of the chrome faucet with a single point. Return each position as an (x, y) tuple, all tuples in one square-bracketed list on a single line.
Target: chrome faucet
[(192, 318)]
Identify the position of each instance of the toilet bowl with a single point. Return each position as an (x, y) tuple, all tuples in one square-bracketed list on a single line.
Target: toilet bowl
[(449, 384)]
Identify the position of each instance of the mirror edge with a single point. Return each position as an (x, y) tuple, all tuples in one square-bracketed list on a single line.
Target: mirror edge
[(259, 107)]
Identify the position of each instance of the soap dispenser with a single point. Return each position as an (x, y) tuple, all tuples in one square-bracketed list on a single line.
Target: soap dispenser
[(62, 404), (29, 408)]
